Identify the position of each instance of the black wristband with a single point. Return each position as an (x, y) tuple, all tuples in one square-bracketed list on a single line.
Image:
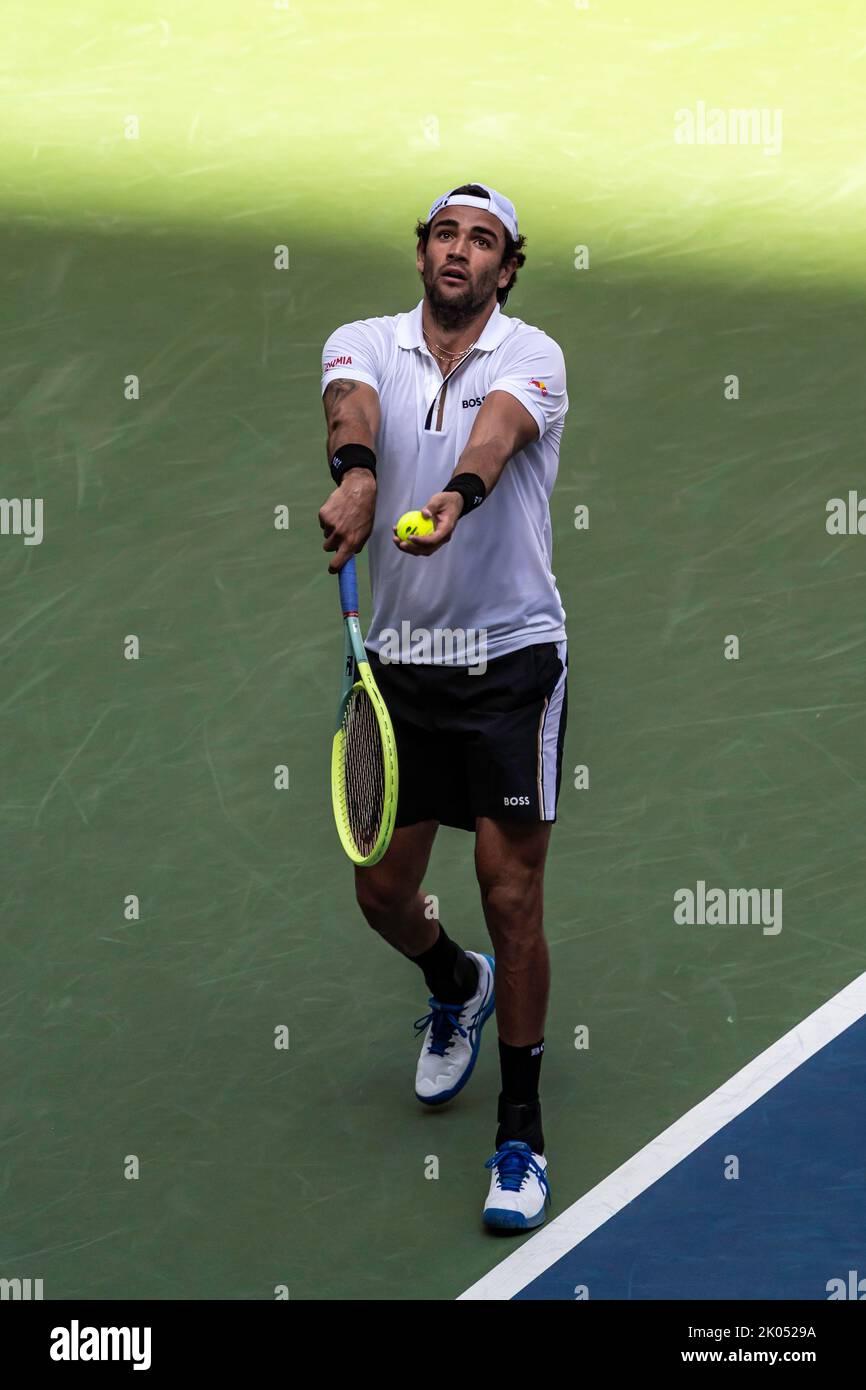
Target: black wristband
[(352, 456), (471, 489)]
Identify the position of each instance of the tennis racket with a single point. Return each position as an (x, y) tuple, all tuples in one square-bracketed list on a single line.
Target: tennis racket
[(364, 752)]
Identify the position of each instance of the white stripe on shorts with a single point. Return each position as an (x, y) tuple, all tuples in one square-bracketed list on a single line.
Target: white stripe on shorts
[(548, 734)]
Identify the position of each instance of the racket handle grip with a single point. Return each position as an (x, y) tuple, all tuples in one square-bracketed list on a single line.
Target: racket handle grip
[(349, 587)]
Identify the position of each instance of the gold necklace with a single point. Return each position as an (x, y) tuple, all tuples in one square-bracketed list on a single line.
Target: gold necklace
[(443, 352)]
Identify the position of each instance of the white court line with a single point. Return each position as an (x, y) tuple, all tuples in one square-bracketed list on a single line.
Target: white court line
[(667, 1150)]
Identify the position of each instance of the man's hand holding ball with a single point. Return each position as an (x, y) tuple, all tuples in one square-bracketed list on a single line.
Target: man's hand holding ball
[(423, 532)]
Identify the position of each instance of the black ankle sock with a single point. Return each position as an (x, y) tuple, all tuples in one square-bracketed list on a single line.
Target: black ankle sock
[(521, 1069), (451, 975), (521, 1122)]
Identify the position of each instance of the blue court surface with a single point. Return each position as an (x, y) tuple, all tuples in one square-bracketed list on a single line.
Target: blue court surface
[(790, 1225)]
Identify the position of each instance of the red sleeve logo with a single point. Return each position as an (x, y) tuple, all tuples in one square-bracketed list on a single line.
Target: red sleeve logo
[(540, 384), (337, 362)]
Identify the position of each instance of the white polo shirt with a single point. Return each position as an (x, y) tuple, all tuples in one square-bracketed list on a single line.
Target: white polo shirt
[(494, 576)]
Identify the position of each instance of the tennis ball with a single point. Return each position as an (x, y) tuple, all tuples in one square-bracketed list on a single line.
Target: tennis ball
[(413, 524)]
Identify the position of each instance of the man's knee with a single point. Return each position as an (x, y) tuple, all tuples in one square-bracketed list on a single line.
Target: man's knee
[(379, 891), (393, 884), (512, 895)]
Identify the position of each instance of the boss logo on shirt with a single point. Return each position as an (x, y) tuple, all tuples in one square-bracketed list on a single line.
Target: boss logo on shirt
[(515, 800), (476, 400)]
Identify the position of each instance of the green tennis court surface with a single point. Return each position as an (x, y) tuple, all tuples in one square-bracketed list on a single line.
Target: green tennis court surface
[(154, 1038)]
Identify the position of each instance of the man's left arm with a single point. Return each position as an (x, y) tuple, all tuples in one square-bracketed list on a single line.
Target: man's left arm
[(526, 397), (502, 428)]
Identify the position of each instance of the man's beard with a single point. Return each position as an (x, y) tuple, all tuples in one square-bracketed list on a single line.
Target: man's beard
[(457, 310)]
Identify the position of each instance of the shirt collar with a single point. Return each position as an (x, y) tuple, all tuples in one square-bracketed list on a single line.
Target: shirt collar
[(410, 333)]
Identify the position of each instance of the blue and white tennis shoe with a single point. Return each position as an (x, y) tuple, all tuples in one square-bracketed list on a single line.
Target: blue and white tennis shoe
[(453, 1037), (518, 1188)]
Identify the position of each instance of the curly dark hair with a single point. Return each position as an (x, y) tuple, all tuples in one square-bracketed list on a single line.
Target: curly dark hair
[(513, 249)]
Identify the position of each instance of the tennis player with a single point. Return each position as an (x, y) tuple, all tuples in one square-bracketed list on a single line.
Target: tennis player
[(458, 410)]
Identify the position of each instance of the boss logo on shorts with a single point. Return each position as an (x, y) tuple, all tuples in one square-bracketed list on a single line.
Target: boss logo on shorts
[(515, 801), (475, 400)]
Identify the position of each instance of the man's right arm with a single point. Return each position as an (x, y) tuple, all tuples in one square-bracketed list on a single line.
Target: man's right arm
[(352, 415)]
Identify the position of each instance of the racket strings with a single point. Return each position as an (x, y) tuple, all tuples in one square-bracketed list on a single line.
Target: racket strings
[(364, 771)]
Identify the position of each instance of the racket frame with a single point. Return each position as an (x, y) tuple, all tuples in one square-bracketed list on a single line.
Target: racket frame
[(357, 674)]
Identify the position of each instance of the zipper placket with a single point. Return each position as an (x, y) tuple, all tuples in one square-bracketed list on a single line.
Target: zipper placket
[(442, 391)]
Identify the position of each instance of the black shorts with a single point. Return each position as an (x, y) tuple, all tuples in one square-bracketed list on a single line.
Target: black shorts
[(488, 744)]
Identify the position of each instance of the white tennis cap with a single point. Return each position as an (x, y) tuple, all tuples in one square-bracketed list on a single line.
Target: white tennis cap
[(492, 202)]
